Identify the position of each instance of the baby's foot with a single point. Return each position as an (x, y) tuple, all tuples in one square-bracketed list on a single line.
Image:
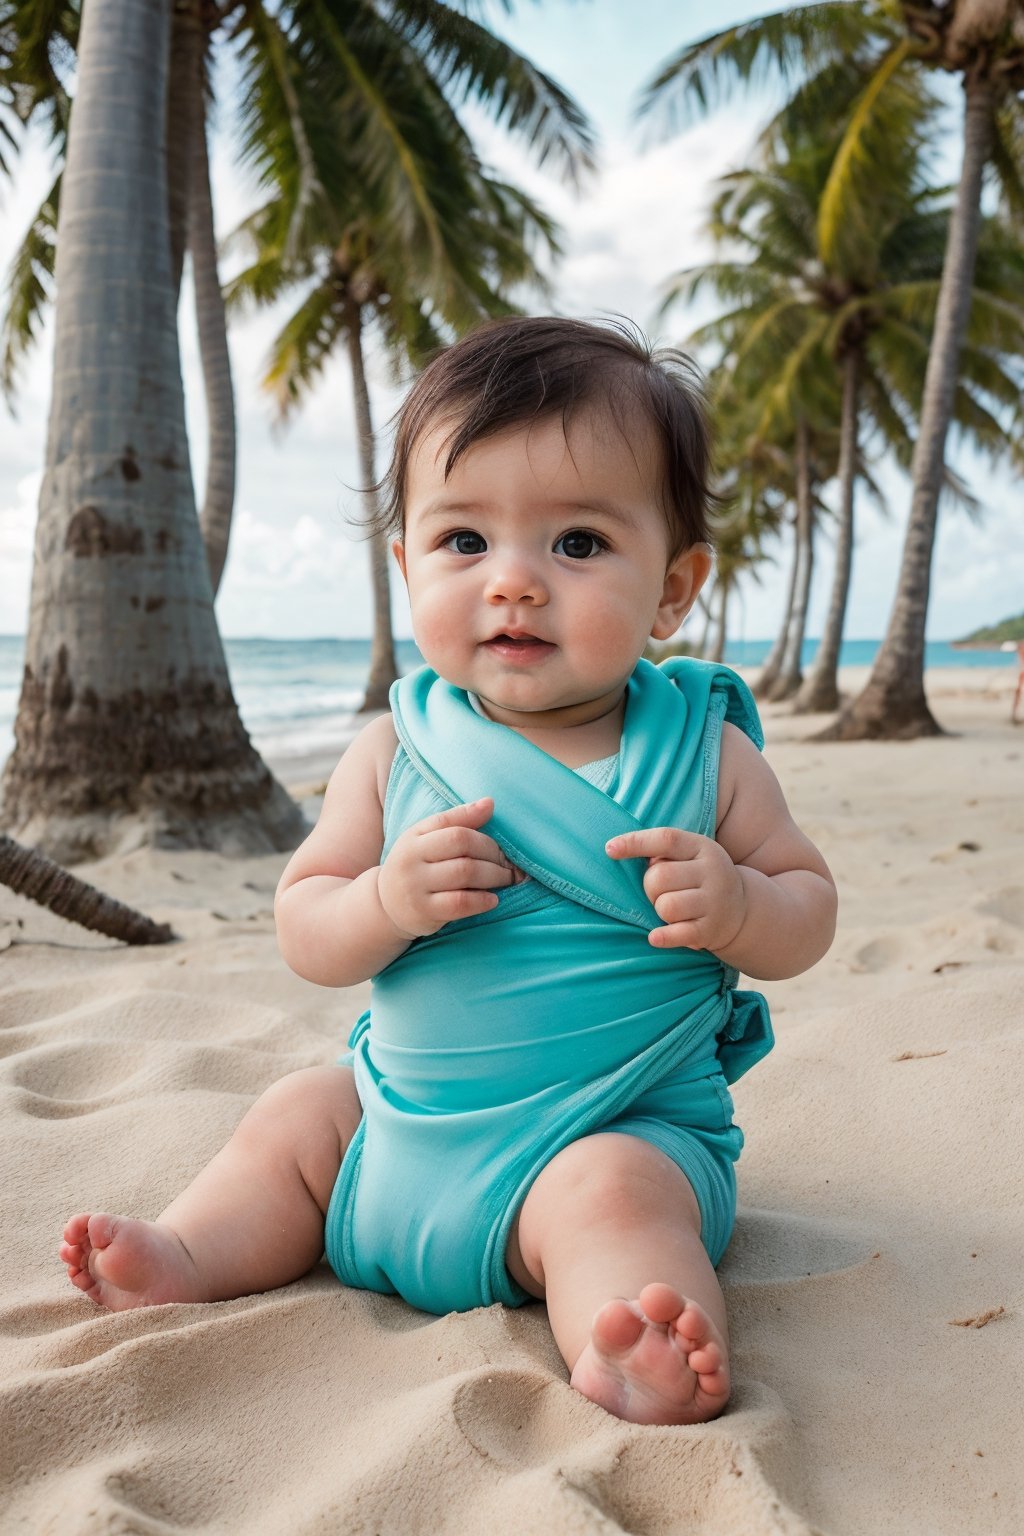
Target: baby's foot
[(120, 1263), (658, 1360)]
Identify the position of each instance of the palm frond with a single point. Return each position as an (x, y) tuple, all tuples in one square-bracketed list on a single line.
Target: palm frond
[(29, 290), (780, 46)]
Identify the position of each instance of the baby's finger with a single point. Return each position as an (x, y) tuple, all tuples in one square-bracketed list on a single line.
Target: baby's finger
[(680, 906), (473, 814), (676, 936), (461, 842), (665, 875), (655, 843), (470, 875), (451, 906)]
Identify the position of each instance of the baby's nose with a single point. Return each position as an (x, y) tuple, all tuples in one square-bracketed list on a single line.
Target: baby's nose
[(516, 581)]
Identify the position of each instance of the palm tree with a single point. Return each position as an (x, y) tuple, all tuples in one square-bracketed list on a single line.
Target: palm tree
[(127, 730), (753, 510), (393, 68), (357, 281), (983, 42), (422, 250), (852, 281)]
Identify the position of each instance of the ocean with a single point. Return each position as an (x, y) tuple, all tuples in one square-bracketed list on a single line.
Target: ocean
[(298, 697)]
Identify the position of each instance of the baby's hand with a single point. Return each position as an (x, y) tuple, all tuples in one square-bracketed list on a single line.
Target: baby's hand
[(692, 883), (443, 868)]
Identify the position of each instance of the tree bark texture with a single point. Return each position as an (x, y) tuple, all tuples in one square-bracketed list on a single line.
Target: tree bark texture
[(773, 662), (212, 327), (790, 672), (893, 702), (383, 667), (820, 688), (30, 873), (127, 731), (186, 51)]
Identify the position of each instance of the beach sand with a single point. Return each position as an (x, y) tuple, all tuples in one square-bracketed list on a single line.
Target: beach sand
[(873, 1282)]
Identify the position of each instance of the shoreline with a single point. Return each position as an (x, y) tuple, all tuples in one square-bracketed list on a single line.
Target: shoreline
[(990, 687)]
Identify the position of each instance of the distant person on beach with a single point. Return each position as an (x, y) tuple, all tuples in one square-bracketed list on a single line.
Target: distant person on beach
[(552, 858), (1020, 684)]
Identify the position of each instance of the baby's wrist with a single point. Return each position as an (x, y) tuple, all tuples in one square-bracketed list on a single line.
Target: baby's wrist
[(396, 928), (738, 921)]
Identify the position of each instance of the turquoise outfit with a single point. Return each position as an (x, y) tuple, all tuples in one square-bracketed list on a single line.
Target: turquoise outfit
[(503, 1037)]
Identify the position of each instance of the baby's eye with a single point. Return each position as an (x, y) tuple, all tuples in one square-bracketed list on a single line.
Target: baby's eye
[(465, 543), (580, 545)]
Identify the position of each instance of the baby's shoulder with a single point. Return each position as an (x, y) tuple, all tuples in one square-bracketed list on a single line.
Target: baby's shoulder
[(378, 743), (742, 772)]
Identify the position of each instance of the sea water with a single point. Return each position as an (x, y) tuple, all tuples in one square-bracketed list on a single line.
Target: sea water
[(298, 698)]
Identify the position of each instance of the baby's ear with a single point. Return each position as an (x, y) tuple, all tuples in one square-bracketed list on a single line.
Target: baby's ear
[(683, 580), (398, 550)]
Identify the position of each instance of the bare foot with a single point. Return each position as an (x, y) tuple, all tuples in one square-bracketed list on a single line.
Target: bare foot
[(120, 1263), (656, 1360)]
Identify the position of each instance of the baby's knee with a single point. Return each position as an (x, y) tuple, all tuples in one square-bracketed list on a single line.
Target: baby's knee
[(613, 1177), (305, 1101)]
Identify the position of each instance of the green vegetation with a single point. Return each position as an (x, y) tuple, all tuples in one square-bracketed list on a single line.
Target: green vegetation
[(992, 635)]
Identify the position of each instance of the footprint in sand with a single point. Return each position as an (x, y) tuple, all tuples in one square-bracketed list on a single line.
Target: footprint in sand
[(772, 1246), (515, 1418), (1006, 904), (66, 1078), (881, 953)]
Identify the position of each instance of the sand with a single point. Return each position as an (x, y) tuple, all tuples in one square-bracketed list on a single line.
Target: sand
[(873, 1281)]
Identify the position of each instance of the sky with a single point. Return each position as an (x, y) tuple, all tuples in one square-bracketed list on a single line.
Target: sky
[(294, 569)]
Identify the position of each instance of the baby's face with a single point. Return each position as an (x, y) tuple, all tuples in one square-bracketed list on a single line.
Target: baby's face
[(537, 571)]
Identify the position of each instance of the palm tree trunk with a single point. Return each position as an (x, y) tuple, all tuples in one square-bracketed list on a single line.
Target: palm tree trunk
[(211, 325), (127, 731), (773, 662), (705, 635), (383, 668), (892, 703), (722, 592), (790, 673), (820, 689), (187, 42), (32, 874)]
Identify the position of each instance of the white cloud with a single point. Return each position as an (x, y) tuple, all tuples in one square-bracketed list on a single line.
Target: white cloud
[(17, 533), (294, 567)]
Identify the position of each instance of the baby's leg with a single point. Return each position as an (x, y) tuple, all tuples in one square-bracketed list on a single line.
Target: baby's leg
[(253, 1218), (609, 1236)]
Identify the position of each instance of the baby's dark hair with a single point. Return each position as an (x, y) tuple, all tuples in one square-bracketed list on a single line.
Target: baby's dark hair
[(518, 370)]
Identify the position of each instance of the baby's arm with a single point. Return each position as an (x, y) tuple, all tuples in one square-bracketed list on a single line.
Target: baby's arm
[(789, 905), (342, 916), (759, 894)]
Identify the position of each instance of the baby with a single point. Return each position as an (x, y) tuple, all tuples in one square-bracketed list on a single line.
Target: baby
[(552, 858)]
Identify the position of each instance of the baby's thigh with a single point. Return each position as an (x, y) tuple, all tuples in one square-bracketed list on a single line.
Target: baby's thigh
[(308, 1118)]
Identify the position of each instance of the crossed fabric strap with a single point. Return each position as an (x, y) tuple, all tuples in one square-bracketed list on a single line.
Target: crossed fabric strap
[(554, 824)]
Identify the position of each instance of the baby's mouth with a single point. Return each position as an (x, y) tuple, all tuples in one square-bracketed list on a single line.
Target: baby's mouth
[(519, 644)]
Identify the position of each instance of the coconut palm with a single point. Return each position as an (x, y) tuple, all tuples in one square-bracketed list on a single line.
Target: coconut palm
[(295, 62), (419, 261), (752, 509), (982, 41), (358, 282), (126, 730)]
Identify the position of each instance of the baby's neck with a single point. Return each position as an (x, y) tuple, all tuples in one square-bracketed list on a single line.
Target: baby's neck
[(572, 743)]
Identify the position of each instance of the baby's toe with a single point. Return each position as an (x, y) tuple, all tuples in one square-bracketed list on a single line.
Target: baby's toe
[(77, 1229), (660, 1303), (705, 1360)]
